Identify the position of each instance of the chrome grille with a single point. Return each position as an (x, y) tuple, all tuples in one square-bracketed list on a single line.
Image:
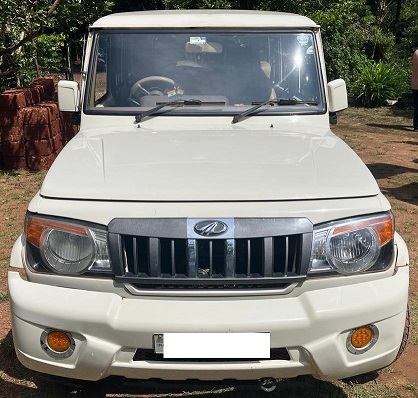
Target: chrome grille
[(159, 253)]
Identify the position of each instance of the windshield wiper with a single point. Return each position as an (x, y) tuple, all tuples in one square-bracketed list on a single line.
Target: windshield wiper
[(154, 110), (276, 101)]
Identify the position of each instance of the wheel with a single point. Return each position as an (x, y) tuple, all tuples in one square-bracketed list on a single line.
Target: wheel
[(406, 333), (159, 85)]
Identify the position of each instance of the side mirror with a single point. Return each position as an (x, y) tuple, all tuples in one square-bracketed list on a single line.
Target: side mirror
[(68, 96), (337, 95)]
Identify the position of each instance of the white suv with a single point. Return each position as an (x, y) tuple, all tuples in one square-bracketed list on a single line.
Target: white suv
[(205, 223)]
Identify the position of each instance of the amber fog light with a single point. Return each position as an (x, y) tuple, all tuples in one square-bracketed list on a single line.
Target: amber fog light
[(362, 339), (57, 344)]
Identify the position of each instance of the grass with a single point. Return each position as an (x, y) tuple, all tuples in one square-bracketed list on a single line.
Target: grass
[(4, 296), (405, 178), (17, 188), (374, 391), (414, 312), (411, 387)]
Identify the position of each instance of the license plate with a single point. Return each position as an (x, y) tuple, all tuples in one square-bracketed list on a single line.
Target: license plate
[(213, 345)]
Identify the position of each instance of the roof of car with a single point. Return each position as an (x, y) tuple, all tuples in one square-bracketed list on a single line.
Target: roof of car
[(204, 19)]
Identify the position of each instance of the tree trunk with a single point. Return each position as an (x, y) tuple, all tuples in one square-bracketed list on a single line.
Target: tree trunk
[(396, 22), (35, 59)]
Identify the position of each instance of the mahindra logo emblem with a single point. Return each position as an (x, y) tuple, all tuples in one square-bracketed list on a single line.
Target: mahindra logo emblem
[(210, 228)]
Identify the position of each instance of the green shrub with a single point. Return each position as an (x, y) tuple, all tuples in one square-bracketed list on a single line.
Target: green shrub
[(4, 296), (48, 52), (378, 82)]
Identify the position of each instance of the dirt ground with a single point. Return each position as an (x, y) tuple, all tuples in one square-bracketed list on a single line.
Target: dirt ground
[(383, 138)]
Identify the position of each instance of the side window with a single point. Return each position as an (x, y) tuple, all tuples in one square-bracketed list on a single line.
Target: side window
[(112, 65), (101, 83)]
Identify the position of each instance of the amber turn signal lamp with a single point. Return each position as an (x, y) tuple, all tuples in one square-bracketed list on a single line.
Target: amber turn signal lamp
[(58, 341), (362, 337), (384, 227), (36, 227), (57, 344)]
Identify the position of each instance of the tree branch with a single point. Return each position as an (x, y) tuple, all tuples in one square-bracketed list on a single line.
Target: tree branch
[(20, 43), (53, 7), (30, 36), (8, 72)]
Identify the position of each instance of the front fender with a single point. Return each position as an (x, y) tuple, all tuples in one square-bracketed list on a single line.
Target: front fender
[(402, 258), (16, 257)]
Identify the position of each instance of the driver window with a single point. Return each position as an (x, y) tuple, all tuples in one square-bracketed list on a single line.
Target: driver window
[(101, 83), (110, 66)]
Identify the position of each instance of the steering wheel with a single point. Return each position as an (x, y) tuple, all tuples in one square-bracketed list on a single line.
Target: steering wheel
[(159, 86)]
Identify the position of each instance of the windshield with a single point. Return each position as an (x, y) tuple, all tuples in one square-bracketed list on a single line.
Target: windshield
[(223, 72)]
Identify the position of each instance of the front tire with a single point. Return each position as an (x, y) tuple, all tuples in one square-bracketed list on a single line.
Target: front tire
[(406, 333)]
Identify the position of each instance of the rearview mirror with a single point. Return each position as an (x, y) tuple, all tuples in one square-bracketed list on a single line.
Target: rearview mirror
[(204, 47), (337, 95), (68, 96)]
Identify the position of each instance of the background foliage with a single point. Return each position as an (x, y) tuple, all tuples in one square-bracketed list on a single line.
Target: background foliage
[(33, 34), (362, 38)]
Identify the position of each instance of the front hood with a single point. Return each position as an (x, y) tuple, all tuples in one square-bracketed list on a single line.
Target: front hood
[(237, 165)]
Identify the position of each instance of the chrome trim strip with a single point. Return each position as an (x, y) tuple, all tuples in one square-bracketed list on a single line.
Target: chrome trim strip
[(212, 293)]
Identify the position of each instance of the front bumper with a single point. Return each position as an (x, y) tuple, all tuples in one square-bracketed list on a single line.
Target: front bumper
[(108, 329)]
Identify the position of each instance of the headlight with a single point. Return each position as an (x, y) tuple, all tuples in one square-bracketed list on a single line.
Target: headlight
[(66, 247), (354, 245)]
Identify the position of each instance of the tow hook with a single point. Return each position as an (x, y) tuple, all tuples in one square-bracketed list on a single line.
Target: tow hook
[(268, 384)]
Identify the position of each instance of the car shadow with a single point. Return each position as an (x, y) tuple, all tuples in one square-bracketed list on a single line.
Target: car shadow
[(298, 387), (391, 126), (406, 142), (16, 381), (406, 193), (387, 170)]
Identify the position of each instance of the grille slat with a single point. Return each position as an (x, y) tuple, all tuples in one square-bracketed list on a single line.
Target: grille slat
[(210, 258), (248, 257), (230, 258), (173, 258), (154, 257), (286, 261), (191, 258), (268, 257), (135, 255), (295, 253), (179, 263)]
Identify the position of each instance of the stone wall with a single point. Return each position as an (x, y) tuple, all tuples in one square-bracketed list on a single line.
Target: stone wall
[(32, 129)]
